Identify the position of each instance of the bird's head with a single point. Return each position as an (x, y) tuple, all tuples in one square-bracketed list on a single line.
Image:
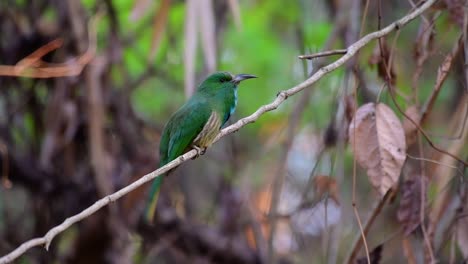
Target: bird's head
[(223, 79)]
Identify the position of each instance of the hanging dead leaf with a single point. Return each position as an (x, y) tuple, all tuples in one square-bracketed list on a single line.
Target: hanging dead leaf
[(330, 137), (378, 141), (375, 256), (410, 129), (159, 25), (408, 213), (350, 107), (381, 57)]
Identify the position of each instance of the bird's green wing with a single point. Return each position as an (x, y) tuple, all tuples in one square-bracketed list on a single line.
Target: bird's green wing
[(164, 145), (188, 122), (179, 133)]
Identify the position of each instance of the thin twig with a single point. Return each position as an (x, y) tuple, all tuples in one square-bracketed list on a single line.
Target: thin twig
[(375, 212), (422, 53), (436, 162), (442, 74), (281, 97), (323, 54), (364, 17), (34, 57), (362, 238), (280, 176), (423, 133), (33, 67)]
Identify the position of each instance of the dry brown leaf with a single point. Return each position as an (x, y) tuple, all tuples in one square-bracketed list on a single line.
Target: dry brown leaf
[(381, 57), (325, 184), (410, 129), (330, 137), (159, 25), (408, 213), (378, 141), (350, 107)]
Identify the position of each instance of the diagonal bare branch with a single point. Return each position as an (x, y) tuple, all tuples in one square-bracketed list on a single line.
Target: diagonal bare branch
[(281, 97)]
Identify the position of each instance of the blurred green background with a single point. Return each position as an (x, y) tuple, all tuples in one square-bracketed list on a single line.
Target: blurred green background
[(67, 139)]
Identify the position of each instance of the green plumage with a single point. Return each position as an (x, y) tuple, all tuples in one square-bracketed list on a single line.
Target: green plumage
[(196, 123)]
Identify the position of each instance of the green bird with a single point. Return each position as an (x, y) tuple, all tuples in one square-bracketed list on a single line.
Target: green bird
[(196, 124)]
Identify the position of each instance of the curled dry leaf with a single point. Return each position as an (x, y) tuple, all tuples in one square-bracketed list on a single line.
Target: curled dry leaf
[(350, 107), (410, 129), (378, 142), (330, 137), (408, 213), (325, 184), (381, 57)]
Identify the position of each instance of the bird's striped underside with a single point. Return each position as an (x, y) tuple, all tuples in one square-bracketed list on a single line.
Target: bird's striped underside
[(209, 131)]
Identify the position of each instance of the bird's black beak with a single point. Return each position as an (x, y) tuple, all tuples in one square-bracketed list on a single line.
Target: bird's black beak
[(240, 77)]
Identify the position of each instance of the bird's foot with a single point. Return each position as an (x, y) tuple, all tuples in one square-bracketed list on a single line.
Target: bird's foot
[(200, 151)]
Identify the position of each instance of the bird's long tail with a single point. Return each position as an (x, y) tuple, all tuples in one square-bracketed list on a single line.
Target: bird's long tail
[(153, 199)]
